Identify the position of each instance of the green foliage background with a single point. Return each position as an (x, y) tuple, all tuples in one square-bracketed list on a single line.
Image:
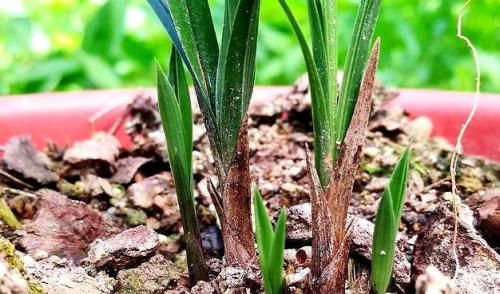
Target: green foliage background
[(77, 44)]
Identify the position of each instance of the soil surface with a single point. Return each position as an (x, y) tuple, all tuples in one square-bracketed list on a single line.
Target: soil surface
[(94, 217)]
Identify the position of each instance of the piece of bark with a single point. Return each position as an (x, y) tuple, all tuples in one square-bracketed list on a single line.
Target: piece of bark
[(234, 207), (22, 157), (63, 227), (479, 270), (127, 167), (329, 206)]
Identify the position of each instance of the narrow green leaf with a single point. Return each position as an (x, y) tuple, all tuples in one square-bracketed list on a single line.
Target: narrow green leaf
[(323, 142), (276, 258), (316, 22), (177, 79), (177, 126), (264, 235), (331, 43), (189, 25), (172, 122), (387, 224), (398, 183), (357, 57), (384, 241), (236, 73)]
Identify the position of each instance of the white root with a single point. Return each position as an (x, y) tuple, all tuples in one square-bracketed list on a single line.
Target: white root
[(458, 146)]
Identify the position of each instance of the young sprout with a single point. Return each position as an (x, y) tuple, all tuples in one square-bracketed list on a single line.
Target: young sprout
[(332, 111), (271, 245), (387, 224), (223, 78), (176, 116)]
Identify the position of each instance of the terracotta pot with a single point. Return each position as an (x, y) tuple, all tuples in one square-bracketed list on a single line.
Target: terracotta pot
[(66, 117)]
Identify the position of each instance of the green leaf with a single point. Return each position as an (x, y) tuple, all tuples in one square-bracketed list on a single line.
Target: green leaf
[(175, 111), (236, 73), (357, 56), (387, 224), (177, 79), (271, 246), (264, 235), (276, 259), (323, 143), (104, 32), (384, 241), (189, 25), (173, 123), (398, 183)]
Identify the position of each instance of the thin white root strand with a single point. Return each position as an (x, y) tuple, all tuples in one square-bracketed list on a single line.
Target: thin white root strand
[(458, 147)]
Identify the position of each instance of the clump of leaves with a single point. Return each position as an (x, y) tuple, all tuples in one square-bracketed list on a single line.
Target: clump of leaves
[(176, 115), (333, 110), (338, 129), (387, 224), (271, 246), (223, 77)]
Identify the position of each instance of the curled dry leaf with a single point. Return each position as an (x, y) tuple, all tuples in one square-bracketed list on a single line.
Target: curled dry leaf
[(22, 157), (127, 167), (101, 146)]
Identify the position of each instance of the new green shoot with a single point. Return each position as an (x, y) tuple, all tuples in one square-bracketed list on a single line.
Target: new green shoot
[(271, 245), (176, 116), (387, 224)]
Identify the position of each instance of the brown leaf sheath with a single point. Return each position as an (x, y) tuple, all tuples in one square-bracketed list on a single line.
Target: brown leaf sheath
[(235, 211), (330, 246)]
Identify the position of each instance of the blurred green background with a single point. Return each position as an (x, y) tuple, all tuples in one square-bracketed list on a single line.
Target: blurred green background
[(59, 45)]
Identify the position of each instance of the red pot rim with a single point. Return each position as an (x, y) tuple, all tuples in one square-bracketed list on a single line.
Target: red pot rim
[(64, 118)]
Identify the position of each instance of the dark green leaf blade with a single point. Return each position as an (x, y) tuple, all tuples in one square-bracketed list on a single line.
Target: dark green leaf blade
[(276, 259), (384, 240), (173, 128), (387, 224), (264, 235), (316, 22), (357, 56), (177, 79), (179, 150), (399, 182), (236, 74), (189, 25)]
